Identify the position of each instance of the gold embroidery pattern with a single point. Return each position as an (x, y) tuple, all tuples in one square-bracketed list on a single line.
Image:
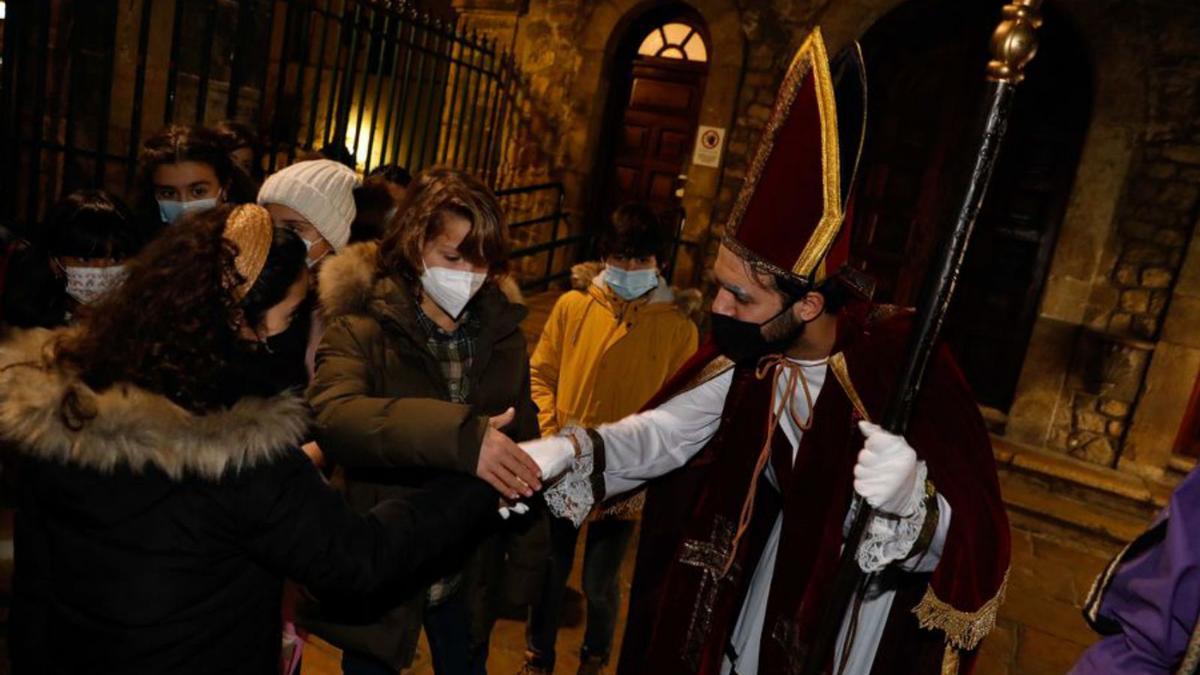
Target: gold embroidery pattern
[(710, 558), (964, 630), (837, 364)]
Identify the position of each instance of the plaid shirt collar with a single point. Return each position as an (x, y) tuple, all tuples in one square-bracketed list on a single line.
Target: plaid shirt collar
[(453, 350)]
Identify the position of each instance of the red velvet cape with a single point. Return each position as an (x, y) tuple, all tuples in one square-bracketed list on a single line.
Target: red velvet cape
[(681, 615)]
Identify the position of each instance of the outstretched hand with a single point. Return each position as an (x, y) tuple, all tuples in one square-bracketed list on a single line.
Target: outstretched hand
[(503, 464)]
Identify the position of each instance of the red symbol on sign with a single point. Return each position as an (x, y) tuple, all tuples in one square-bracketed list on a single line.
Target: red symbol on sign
[(710, 139)]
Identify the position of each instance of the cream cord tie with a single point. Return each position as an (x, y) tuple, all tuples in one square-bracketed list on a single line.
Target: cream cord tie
[(773, 365)]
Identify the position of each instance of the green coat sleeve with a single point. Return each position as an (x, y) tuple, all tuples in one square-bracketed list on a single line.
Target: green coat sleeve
[(357, 429)]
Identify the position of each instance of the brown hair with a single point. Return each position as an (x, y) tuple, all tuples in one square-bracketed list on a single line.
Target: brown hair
[(434, 194), (171, 326)]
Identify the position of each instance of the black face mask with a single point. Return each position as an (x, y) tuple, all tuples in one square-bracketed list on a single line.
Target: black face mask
[(743, 341)]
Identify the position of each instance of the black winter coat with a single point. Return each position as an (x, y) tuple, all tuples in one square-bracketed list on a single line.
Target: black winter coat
[(155, 540)]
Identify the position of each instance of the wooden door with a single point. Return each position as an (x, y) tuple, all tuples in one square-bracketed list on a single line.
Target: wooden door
[(927, 87), (655, 133)]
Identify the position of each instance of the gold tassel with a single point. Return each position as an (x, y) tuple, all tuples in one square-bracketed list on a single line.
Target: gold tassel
[(964, 630), (950, 660)]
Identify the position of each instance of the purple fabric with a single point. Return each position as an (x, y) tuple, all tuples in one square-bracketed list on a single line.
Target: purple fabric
[(1154, 597)]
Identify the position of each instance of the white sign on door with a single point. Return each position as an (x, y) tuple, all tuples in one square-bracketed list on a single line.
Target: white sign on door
[(709, 141)]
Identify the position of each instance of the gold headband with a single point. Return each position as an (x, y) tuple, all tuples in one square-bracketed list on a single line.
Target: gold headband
[(249, 228)]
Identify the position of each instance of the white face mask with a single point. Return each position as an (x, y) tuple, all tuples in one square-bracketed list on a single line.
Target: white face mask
[(451, 289), (630, 284), (308, 249), (86, 284)]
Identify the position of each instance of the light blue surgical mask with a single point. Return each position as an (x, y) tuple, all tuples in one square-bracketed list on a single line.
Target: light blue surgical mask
[(171, 210), (630, 284)]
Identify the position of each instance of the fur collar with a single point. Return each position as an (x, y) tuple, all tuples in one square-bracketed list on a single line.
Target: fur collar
[(348, 284), (132, 426)]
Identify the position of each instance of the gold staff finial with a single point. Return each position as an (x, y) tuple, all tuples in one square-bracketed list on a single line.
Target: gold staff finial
[(1015, 41)]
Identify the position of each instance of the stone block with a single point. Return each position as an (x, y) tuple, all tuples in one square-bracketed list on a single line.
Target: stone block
[(1137, 252), (1099, 450), (1160, 170), (1139, 229), (1158, 302), (1171, 238), (1184, 154), (1115, 429), (1156, 277), (1136, 301), (1114, 408), (1087, 420), (1144, 326), (997, 651), (1179, 196), (1120, 323), (1126, 275)]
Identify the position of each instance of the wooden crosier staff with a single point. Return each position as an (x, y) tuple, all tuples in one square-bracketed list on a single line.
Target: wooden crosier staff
[(1013, 46)]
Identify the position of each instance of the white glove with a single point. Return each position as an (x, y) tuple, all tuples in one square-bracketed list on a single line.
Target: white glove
[(553, 455), (886, 474)]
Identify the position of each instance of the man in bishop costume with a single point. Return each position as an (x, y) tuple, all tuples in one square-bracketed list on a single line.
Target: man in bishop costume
[(756, 455)]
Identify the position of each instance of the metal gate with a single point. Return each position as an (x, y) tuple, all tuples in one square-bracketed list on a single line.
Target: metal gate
[(83, 82)]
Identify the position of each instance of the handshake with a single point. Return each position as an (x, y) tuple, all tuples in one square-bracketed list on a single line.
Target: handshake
[(518, 470)]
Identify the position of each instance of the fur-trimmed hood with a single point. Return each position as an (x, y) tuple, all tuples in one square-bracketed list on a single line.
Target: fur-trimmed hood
[(129, 425)]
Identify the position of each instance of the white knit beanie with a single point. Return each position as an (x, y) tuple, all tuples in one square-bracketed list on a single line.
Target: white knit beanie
[(321, 190)]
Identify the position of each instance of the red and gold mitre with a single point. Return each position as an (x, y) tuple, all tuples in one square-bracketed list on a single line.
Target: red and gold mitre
[(791, 208)]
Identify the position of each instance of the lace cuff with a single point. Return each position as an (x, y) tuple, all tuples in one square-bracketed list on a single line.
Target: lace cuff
[(888, 538), (572, 496)]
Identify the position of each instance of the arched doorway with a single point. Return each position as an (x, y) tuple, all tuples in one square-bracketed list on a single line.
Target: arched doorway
[(659, 70), (925, 63)]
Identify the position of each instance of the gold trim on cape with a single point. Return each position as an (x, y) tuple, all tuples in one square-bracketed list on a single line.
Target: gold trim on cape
[(964, 630), (837, 364), (811, 57)]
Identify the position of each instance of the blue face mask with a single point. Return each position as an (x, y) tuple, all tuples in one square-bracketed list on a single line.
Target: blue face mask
[(171, 210), (630, 284)]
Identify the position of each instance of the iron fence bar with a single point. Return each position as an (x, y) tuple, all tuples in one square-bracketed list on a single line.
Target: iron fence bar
[(536, 221), (298, 89), (280, 85), (173, 64), (239, 38), (335, 83), (462, 87), (74, 65), (491, 150), (39, 112), (366, 81), (383, 53), (392, 104), (557, 186), (552, 245), (345, 97), (420, 76), (449, 91), (101, 168), (210, 36), (265, 71), (318, 75), (139, 90), (554, 236), (14, 34), (479, 114), (464, 111), (422, 130)]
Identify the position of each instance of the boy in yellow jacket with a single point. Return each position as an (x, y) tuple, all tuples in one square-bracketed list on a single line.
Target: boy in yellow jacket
[(606, 348)]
